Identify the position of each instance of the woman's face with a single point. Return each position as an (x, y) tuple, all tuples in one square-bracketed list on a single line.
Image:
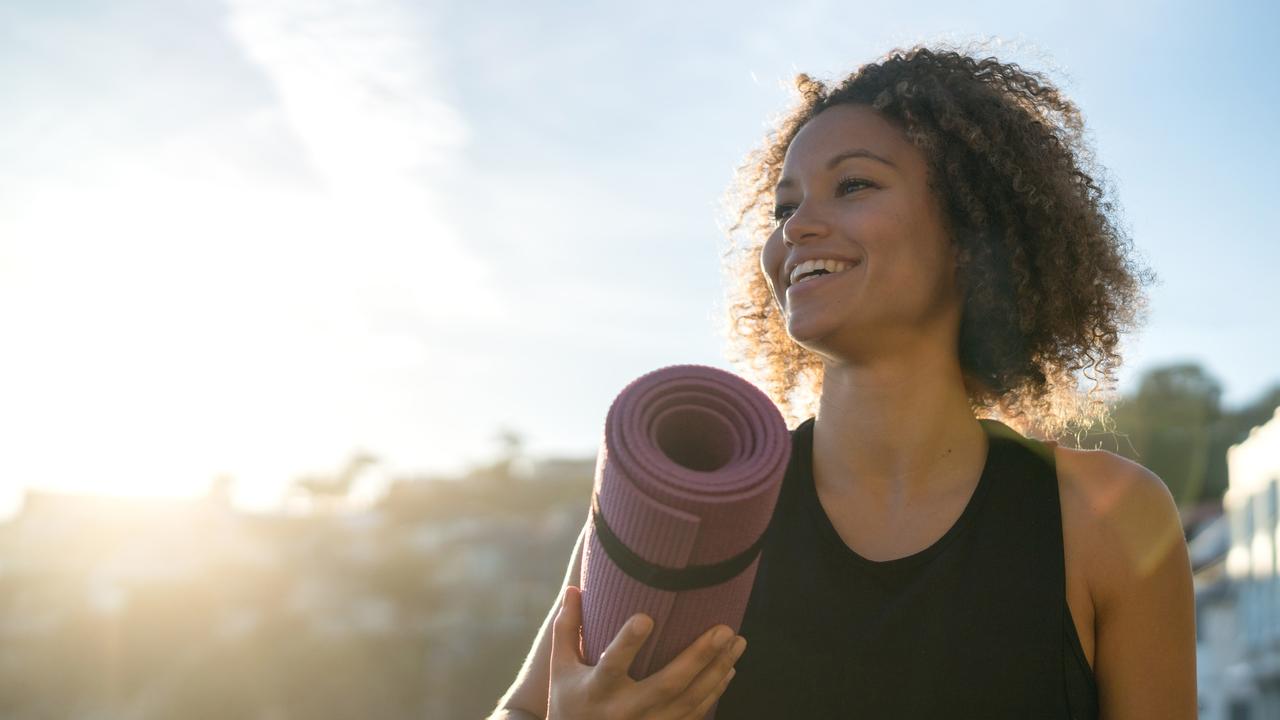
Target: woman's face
[(855, 190)]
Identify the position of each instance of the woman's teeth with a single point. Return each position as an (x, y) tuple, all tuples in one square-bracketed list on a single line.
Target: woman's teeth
[(802, 272)]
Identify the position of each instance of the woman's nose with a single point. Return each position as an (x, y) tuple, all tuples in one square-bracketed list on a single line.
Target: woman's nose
[(803, 224)]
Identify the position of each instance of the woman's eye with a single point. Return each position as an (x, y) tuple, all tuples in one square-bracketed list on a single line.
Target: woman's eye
[(844, 187), (851, 183)]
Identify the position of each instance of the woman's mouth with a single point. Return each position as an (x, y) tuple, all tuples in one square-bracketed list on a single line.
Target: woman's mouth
[(811, 282)]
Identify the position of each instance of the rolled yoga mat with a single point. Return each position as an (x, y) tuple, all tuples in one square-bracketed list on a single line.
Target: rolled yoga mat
[(686, 480)]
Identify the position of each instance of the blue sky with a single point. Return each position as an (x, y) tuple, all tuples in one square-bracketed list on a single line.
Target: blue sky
[(251, 236)]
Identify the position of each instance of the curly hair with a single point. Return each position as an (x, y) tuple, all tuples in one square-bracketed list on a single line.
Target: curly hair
[(1048, 274)]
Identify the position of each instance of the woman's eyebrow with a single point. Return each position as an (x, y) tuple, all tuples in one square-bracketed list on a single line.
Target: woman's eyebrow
[(839, 158)]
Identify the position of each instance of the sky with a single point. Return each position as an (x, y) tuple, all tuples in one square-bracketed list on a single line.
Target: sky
[(249, 238)]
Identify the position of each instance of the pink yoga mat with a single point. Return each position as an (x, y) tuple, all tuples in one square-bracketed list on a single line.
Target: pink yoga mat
[(686, 480)]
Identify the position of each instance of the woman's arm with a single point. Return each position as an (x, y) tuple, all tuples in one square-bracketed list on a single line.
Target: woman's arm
[(528, 693), (1145, 662)]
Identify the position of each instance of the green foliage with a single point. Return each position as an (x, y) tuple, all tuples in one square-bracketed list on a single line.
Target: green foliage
[(1175, 425)]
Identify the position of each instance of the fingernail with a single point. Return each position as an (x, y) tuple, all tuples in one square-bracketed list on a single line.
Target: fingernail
[(721, 636), (739, 645), (640, 625)]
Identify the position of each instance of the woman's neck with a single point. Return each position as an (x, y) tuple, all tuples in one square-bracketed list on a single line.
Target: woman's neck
[(897, 433)]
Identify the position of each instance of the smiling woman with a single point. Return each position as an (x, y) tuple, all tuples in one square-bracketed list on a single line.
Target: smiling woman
[(918, 246), (1048, 281)]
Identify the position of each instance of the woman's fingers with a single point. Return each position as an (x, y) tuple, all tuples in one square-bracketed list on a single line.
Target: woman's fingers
[(617, 658), (708, 682), (686, 688), (565, 632), (705, 706), (671, 681)]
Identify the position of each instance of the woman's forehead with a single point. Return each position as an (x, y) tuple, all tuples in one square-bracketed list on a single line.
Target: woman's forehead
[(845, 129)]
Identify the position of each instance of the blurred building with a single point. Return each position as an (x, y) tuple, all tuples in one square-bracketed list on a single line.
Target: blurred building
[(1238, 587), (417, 601)]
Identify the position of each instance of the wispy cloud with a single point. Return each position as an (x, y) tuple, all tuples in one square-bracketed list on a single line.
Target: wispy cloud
[(213, 297), (354, 81), (356, 85)]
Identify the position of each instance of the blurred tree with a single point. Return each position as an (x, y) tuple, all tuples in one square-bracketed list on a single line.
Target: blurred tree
[(510, 443), (510, 449), (328, 490), (1176, 426), (1170, 423)]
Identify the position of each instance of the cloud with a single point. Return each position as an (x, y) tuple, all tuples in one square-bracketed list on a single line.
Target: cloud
[(211, 298), (355, 84)]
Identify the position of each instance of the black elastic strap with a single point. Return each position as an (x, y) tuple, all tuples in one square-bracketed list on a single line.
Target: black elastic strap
[(670, 579)]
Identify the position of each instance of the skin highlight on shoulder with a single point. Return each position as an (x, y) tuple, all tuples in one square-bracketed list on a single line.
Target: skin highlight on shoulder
[(1131, 518)]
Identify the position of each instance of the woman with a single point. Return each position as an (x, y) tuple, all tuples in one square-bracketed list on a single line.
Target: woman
[(977, 269), (927, 244)]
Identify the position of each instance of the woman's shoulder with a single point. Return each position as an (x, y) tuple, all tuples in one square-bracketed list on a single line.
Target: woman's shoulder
[(1122, 515), (1129, 533)]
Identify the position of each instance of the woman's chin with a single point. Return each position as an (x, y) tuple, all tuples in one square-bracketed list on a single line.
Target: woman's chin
[(810, 331)]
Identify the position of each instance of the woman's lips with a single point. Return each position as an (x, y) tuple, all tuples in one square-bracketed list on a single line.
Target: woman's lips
[(808, 286)]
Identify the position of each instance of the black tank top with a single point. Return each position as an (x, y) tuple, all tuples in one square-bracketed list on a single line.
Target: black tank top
[(974, 626)]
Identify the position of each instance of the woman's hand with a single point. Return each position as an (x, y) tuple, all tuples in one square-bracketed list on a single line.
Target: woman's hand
[(683, 690)]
